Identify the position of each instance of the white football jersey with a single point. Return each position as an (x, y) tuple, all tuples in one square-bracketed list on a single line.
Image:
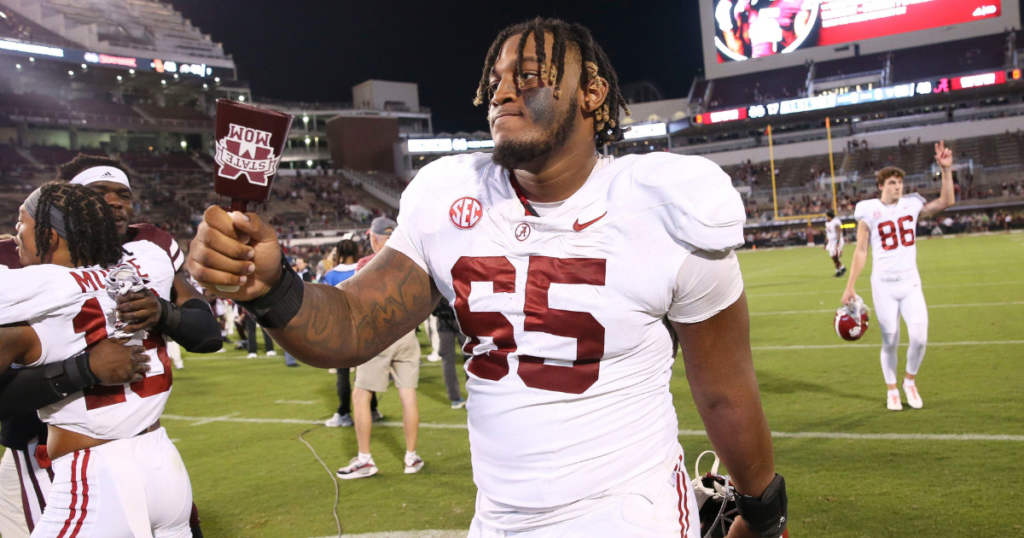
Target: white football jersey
[(570, 361), (834, 230), (893, 232), (70, 310)]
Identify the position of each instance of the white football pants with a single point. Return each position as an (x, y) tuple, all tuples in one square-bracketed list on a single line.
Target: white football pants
[(894, 296), (24, 486), (129, 488), (671, 514)]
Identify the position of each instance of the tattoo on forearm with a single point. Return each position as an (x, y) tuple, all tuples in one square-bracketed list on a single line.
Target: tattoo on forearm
[(368, 313)]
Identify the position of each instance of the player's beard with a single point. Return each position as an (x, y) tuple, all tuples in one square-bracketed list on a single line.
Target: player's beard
[(514, 153)]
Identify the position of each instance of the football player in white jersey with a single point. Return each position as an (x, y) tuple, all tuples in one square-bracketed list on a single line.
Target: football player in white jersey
[(834, 241), (115, 472), (560, 265), (185, 317), (889, 224)]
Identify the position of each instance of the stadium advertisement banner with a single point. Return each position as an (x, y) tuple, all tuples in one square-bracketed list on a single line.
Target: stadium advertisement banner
[(747, 29), (827, 101)]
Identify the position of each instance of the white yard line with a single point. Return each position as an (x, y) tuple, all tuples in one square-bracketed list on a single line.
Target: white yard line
[(822, 311), (820, 292), (296, 402), (408, 534), (682, 433), (930, 344)]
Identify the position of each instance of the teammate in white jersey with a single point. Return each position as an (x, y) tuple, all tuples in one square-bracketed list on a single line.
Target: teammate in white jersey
[(560, 266), (889, 223), (834, 241), (115, 472)]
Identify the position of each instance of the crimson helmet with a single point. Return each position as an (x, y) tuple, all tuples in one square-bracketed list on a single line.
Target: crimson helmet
[(851, 320)]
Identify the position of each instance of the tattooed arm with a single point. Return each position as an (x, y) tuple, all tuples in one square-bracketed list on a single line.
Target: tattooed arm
[(335, 327)]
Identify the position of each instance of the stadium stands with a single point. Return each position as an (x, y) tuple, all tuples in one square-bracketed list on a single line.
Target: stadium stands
[(124, 24), (17, 27), (173, 113), (964, 56), (847, 67), (9, 157), (788, 82), (30, 103), (98, 107), (147, 162)]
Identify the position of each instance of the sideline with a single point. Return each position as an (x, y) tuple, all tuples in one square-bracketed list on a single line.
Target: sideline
[(876, 345), (822, 311), (409, 534), (197, 421)]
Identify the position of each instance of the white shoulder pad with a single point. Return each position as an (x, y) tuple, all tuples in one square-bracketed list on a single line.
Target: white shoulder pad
[(36, 291), (700, 205)]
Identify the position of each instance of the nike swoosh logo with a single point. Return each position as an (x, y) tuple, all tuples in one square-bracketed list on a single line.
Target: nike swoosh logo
[(580, 227)]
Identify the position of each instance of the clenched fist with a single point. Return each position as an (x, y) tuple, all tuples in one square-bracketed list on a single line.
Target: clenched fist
[(235, 249)]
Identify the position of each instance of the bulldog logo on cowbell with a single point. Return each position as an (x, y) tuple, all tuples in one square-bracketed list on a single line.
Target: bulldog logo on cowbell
[(246, 151)]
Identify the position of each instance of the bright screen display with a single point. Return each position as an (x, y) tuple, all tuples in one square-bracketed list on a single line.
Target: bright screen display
[(757, 28)]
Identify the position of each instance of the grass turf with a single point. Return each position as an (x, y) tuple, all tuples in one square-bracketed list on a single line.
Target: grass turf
[(257, 479)]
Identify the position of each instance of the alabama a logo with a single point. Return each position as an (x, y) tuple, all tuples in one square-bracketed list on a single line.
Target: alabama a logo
[(246, 151)]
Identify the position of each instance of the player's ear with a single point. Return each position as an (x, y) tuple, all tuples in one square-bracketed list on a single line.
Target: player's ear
[(595, 93)]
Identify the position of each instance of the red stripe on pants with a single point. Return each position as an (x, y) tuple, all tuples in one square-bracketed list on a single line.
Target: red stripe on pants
[(74, 496), (684, 509), (85, 494)]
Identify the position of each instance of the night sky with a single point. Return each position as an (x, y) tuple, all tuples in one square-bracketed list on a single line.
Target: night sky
[(316, 50), (313, 50)]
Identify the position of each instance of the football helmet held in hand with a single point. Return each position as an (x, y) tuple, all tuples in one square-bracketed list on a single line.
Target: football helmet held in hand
[(851, 321)]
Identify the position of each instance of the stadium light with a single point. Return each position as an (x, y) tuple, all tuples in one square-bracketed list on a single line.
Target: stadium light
[(31, 59), (17, 66), (164, 82), (131, 71), (206, 86), (85, 66), (184, 144), (216, 79), (305, 120), (175, 76), (241, 98), (119, 78), (309, 164), (71, 73)]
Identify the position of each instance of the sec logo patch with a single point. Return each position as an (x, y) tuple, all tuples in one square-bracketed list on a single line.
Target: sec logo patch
[(465, 213)]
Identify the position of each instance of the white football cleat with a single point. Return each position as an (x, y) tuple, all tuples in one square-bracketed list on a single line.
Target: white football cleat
[(271, 353), (892, 401), (433, 357), (251, 356), (913, 397)]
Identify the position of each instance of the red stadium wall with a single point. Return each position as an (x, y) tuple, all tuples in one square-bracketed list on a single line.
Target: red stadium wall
[(363, 144)]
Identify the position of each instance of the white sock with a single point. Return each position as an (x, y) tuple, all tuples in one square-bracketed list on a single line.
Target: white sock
[(908, 382), (363, 458), (410, 455), (893, 392)]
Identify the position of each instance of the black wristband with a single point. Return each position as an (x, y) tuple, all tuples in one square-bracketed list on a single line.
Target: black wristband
[(275, 309), (766, 516), (70, 375), (170, 317)]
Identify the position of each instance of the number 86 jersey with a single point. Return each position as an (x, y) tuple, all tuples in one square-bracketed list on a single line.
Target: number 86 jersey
[(893, 232), (70, 310), (569, 361)]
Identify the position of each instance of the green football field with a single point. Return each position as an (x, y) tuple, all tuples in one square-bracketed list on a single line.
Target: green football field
[(853, 468)]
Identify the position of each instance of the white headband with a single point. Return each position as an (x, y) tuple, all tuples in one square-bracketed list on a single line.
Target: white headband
[(101, 173)]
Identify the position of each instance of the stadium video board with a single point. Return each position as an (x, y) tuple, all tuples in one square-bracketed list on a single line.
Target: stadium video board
[(752, 35)]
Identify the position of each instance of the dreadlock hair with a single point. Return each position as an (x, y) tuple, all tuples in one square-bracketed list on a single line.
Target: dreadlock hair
[(82, 162), (594, 64), (90, 228)]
